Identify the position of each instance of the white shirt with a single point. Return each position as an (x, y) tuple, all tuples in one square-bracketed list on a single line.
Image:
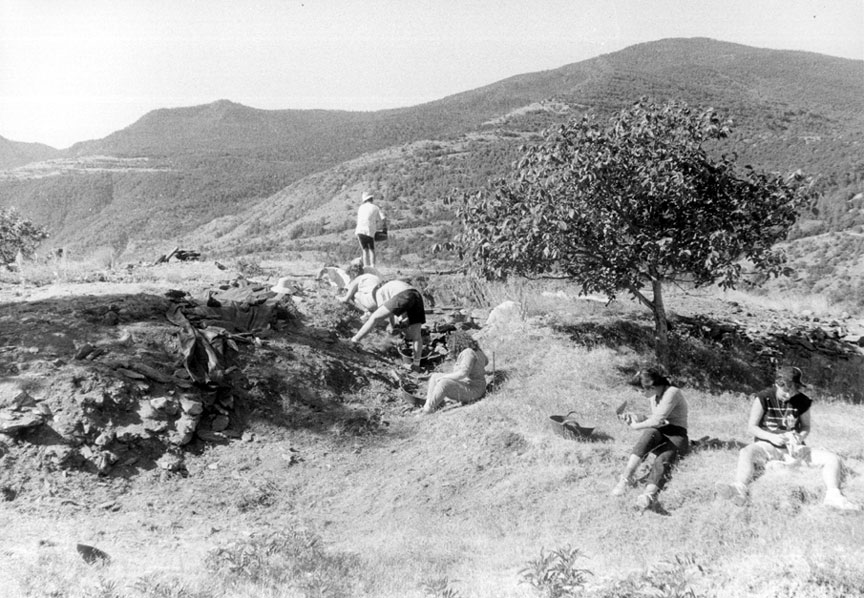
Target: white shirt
[(365, 285), (390, 290), (368, 219)]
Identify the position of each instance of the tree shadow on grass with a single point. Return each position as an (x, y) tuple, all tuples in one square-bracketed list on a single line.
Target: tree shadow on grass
[(597, 437), (731, 366)]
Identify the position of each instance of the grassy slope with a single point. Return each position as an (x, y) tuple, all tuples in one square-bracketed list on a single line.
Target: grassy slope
[(470, 494), (492, 484)]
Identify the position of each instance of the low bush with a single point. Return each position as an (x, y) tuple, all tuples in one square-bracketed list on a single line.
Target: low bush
[(555, 574), (290, 558)]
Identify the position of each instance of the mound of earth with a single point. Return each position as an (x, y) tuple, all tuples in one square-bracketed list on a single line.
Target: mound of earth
[(120, 383)]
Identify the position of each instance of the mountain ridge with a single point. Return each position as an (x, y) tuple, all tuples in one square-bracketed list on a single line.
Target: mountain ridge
[(227, 163)]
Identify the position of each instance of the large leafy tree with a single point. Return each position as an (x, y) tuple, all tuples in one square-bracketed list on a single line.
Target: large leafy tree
[(18, 234), (630, 205)]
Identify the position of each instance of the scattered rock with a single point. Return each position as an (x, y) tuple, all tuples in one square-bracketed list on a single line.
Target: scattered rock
[(220, 423), (184, 430), (165, 405), (18, 410), (92, 555), (211, 436), (170, 462), (191, 406), (105, 438)]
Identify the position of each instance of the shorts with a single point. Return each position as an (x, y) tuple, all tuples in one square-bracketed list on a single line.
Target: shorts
[(366, 242), (410, 303), (765, 451)]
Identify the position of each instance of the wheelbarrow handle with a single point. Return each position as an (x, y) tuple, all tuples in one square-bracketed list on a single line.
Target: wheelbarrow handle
[(570, 420)]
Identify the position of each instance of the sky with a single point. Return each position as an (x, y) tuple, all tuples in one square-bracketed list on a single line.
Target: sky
[(73, 70)]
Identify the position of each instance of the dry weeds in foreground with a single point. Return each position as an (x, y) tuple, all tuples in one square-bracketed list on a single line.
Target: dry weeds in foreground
[(459, 503)]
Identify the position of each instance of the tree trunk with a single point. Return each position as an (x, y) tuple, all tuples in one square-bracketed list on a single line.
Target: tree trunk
[(661, 327)]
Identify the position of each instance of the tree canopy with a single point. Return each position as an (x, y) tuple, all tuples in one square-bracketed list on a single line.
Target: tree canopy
[(633, 202), (18, 234)]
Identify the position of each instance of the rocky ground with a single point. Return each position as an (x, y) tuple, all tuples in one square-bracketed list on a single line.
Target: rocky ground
[(119, 380)]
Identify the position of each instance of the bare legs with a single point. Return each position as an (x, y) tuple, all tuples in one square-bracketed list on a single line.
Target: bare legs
[(413, 334), (754, 455)]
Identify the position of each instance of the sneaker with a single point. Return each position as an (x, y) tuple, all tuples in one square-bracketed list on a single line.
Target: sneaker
[(622, 485), (836, 500), (737, 493), (646, 501)]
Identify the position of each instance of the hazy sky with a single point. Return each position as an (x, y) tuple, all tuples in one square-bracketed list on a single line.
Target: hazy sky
[(72, 70)]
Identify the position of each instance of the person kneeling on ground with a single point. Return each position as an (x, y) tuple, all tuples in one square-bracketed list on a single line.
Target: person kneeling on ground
[(396, 298), (664, 435), (467, 382), (780, 423)]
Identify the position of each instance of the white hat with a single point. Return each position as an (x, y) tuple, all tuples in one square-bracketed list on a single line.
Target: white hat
[(282, 286), (367, 196)]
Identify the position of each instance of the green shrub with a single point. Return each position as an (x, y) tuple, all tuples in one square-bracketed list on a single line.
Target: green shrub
[(18, 234), (555, 575), (440, 588), (667, 579), (289, 558)]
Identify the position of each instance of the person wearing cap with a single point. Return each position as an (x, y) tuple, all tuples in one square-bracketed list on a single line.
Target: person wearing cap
[(398, 298), (780, 423), (369, 220), (467, 382), (360, 292), (664, 433)]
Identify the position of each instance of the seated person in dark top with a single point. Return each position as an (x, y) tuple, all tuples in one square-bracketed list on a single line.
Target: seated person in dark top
[(780, 424)]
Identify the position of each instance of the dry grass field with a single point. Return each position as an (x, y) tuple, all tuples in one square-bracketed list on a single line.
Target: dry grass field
[(473, 502)]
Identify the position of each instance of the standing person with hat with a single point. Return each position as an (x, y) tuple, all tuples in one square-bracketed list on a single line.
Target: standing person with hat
[(664, 434), (780, 423), (369, 221), (398, 298)]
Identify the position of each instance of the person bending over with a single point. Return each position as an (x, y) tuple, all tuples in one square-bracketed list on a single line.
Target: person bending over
[(360, 292), (664, 433), (467, 382), (398, 298), (780, 423)]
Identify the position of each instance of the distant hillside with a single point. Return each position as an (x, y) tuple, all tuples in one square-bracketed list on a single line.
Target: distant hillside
[(18, 153), (234, 179)]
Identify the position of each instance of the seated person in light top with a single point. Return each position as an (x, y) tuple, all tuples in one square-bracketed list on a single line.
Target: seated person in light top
[(664, 434), (467, 382), (780, 423), (398, 298), (360, 292)]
